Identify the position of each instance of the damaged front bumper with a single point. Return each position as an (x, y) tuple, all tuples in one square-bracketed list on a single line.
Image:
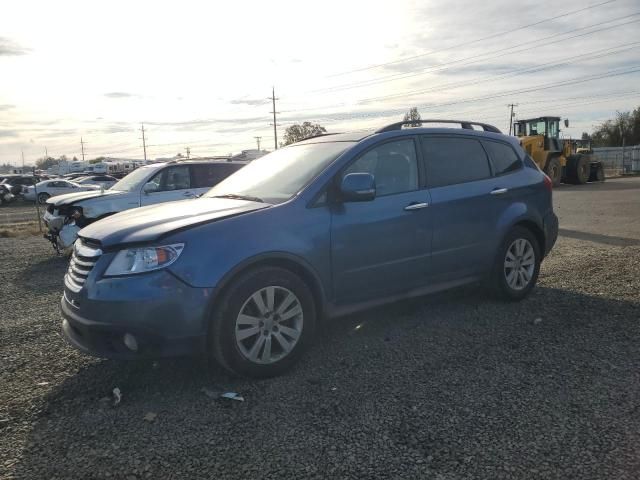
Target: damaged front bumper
[(62, 232)]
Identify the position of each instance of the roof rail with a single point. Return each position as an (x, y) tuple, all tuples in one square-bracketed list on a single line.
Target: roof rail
[(463, 123)]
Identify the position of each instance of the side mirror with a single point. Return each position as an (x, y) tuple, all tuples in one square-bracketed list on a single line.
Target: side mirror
[(358, 187), (566, 123)]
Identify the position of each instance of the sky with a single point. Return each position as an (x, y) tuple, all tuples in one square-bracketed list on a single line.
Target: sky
[(199, 74)]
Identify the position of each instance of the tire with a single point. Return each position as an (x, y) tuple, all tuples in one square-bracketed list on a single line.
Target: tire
[(554, 170), (247, 335), (43, 197), (503, 281), (578, 169), (600, 174)]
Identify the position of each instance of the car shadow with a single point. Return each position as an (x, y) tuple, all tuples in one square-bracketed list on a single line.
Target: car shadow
[(599, 238), (44, 276), (355, 374)]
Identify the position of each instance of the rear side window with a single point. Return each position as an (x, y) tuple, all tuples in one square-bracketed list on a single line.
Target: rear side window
[(453, 160), (208, 175), (503, 157)]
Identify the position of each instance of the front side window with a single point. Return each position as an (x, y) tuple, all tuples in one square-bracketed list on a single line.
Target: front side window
[(393, 164), (169, 179), (453, 160), (503, 157)]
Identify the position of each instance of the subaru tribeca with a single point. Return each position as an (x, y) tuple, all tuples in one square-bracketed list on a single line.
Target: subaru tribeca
[(321, 228)]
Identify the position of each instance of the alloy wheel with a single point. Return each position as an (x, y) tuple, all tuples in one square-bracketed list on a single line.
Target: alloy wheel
[(519, 264), (269, 325)]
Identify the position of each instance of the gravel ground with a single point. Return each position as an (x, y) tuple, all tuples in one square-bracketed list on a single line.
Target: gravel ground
[(452, 386)]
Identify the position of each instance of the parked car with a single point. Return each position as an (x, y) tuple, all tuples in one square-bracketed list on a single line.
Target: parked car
[(320, 228), (55, 187), (156, 183), (105, 181), (18, 183), (5, 194)]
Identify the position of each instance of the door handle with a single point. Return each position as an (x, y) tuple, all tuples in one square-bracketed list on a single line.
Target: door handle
[(499, 191), (416, 206)]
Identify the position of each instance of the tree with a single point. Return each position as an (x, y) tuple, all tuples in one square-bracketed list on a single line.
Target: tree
[(586, 136), (96, 160), (625, 128), (296, 133), (45, 162), (411, 116)]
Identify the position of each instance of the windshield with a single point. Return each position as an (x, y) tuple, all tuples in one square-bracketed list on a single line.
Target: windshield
[(133, 180), (278, 176)]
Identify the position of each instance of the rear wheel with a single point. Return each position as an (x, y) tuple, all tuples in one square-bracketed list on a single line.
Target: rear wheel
[(600, 174), (517, 264), (554, 171), (264, 323), (43, 197)]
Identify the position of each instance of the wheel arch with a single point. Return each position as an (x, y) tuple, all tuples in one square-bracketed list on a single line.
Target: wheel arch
[(535, 229), (284, 260)]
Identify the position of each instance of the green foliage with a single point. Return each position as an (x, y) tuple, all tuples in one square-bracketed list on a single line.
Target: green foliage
[(411, 116), (296, 133), (97, 160), (626, 126), (46, 162)]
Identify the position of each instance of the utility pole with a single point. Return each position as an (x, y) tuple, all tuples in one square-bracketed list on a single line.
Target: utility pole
[(511, 116), (258, 140), (144, 143), (275, 125), (82, 145), (188, 152), (22, 152)]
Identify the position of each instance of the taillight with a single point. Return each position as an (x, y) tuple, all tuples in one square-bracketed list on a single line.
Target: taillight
[(547, 182)]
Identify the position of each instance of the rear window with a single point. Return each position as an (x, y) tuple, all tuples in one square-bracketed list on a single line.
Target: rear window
[(208, 175), (503, 157), (453, 160)]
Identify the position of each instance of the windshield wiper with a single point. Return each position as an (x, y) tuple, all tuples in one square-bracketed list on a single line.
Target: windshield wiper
[(239, 197)]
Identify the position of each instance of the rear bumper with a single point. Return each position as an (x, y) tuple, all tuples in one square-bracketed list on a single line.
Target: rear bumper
[(550, 231)]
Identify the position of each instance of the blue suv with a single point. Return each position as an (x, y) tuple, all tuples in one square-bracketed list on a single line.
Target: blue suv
[(324, 227)]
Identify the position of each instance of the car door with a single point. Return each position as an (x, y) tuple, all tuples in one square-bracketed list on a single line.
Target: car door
[(169, 184), (207, 175), (382, 247), (460, 182)]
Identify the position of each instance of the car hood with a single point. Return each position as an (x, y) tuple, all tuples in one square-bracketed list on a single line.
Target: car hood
[(69, 198), (147, 224)]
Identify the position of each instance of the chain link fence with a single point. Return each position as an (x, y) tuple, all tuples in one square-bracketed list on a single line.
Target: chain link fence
[(619, 160)]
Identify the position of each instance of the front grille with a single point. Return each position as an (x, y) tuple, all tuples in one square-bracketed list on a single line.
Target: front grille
[(82, 261)]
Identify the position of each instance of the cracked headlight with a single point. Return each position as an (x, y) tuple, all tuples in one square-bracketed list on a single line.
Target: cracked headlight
[(144, 259)]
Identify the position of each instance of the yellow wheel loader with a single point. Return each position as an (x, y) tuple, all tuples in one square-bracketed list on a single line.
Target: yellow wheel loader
[(562, 160)]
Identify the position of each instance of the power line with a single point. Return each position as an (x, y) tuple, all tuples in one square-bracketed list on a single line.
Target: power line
[(464, 44), (544, 66), (475, 58)]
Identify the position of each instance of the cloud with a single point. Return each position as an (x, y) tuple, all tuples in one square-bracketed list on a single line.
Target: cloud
[(249, 101), (10, 48), (120, 95), (6, 107), (8, 133)]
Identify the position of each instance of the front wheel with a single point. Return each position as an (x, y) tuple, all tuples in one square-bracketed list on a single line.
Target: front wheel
[(42, 198), (517, 264), (263, 323)]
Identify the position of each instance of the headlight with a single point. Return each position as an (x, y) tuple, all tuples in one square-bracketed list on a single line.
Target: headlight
[(145, 259)]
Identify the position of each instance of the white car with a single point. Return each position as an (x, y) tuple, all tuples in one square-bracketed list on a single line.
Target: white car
[(55, 187), (148, 185), (105, 181)]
